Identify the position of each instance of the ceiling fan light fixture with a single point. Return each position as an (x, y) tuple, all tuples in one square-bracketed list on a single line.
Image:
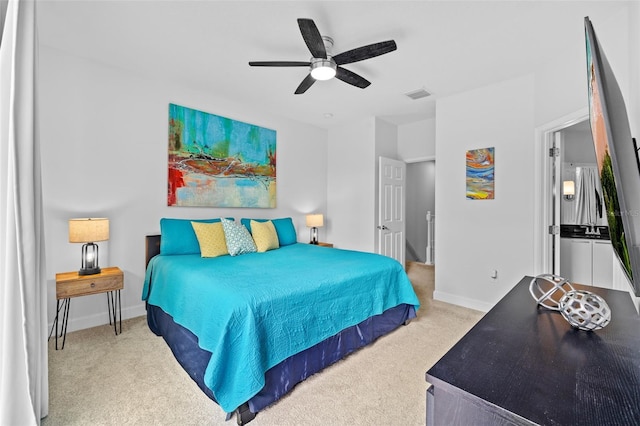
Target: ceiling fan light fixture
[(323, 69), (323, 65)]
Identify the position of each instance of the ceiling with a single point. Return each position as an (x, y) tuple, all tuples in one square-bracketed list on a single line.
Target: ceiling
[(443, 47)]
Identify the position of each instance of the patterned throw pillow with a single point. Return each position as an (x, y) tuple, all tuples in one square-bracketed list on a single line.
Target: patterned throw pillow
[(264, 235), (211, 239), (238, 239)]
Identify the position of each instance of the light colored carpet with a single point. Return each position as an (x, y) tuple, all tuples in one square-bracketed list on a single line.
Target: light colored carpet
[(133, 378)]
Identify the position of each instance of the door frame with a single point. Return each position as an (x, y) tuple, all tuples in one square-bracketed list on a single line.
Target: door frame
[(544, 191)]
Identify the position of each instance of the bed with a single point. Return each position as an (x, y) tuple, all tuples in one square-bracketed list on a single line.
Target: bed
[(248, 328)]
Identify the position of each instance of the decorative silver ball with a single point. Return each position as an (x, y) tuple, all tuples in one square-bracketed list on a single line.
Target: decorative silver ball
[(548, 289), (585, 310)]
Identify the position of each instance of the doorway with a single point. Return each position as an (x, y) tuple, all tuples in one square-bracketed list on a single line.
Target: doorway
[(420, 202), (547, 192), (576, 244)]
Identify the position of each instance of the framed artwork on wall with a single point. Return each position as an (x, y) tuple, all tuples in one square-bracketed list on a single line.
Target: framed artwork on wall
[(215, 161), (480, 174)]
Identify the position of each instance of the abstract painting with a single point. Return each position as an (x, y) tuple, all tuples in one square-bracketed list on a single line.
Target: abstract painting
[(219, 162), (480, 174)]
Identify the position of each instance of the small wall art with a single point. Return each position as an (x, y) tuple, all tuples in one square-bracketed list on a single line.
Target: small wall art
[(219, 162), (480, 174)]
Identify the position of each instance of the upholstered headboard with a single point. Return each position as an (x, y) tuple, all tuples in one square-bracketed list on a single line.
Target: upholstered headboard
[(152, 248)]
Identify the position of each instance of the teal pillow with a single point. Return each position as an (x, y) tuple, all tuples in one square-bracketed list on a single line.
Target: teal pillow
[(178, 236), (238, 239), (284, 228)]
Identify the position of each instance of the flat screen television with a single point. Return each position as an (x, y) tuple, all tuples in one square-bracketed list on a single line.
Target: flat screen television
[(617, 158)]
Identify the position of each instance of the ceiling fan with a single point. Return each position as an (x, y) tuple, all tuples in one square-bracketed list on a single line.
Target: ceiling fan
[(324, 66)]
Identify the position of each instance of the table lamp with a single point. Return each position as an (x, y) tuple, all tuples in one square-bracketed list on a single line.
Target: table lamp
[(88, 231), (314, 221)]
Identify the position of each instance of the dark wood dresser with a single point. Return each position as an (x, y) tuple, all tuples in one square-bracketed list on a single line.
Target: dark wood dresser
[(526, 365)]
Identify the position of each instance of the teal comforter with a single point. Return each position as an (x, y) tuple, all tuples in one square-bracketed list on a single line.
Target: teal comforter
[(255, 310)]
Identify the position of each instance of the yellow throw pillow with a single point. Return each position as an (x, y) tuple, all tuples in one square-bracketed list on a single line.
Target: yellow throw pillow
[(211, 239), (265, 235)]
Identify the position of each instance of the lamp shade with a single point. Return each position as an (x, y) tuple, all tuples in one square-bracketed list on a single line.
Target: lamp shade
[(568, 187), (315, 220), (88, 230)]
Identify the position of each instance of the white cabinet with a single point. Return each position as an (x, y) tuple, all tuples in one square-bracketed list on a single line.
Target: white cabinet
[(576, 260), (588, 262), (602, 264)]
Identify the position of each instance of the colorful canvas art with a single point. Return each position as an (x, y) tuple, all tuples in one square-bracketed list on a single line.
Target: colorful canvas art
[(480, 174), (219, 162)]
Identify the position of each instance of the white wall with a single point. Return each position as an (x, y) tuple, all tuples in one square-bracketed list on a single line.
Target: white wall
[(417, 140), (352, 182), (556, 89), (474, 237), (351, 186), (386, 140), (104, 150), (561, 86), (577, 144)]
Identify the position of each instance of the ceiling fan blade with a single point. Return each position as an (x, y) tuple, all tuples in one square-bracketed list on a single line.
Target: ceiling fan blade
[(306, 83), (352, 78), (279, 64), (312, 38), (365, 52)]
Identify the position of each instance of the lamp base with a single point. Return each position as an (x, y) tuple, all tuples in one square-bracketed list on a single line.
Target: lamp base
[(89, 271), (89, 261)]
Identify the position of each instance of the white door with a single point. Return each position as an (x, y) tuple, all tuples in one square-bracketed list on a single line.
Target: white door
[(391, 208)]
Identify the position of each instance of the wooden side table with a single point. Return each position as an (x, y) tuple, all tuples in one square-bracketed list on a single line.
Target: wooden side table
[(70, 284)]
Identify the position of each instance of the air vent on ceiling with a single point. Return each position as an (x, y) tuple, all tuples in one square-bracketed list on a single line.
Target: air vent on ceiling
[(418, 94)]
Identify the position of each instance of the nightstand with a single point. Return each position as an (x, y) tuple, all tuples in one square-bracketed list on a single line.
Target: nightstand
[(325, 244), (70, 284)]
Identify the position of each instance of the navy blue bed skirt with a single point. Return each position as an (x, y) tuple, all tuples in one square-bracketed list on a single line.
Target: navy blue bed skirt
[(281, 378)]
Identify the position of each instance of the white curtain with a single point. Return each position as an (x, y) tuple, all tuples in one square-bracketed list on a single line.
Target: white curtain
[(588, 196), (24, 384)]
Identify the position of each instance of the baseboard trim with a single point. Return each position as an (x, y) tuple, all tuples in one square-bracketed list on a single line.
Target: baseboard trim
[(100, 318), (462, 301)]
